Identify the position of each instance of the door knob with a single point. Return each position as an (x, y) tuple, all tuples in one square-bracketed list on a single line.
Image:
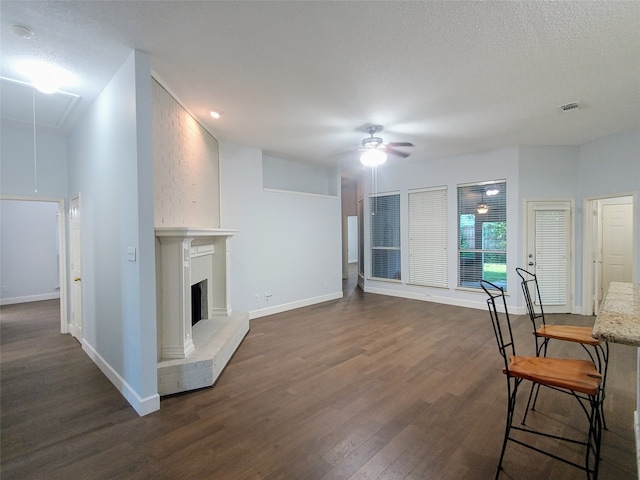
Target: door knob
[(531, 264), (77, 279)]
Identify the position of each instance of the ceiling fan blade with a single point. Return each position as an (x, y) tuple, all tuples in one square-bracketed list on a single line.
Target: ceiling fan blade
[(400, 144), (393, 151)]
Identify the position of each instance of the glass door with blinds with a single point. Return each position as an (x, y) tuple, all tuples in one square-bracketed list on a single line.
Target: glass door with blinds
[(549, 253)]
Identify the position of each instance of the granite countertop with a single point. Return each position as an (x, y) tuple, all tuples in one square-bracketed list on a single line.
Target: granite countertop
[(619, 317)]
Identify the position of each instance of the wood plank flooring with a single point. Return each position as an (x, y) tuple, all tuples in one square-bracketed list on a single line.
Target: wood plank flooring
[(367, 387)]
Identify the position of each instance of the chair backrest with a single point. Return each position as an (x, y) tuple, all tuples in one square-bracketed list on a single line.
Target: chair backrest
[(500, 322), (531, 292)]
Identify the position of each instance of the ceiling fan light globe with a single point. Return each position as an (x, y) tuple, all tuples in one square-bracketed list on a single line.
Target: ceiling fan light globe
[(45, 77), (373, 158), (45, 86), (482, 208)]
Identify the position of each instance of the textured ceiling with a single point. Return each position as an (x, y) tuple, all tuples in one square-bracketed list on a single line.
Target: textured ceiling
[(299, 79)]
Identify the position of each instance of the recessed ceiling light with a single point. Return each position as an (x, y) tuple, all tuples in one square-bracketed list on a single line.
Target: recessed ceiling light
[(21, 30), (215, 114)]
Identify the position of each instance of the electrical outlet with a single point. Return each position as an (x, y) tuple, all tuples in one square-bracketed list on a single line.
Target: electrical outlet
[(256, 297), (4, 288)]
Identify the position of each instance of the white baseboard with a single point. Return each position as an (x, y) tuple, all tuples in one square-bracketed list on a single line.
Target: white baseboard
[(395, 293), (285, 307), (143, 406), (30, 298), (479, 304)]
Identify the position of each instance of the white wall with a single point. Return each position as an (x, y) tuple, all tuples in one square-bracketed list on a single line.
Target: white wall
[(28, 254), (288, 245), (610, 167), (551, 173), (402, 177), (17, 166), (279, 174), (110, 159)]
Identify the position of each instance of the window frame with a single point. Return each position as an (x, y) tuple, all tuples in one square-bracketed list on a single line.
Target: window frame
[(468, 196), (396, 235)]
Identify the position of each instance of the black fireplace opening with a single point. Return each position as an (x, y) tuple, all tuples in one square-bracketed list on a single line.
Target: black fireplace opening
[(198, 301)]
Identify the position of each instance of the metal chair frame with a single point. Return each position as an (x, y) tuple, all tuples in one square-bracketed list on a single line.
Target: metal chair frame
[(590, 404), (599, 354)]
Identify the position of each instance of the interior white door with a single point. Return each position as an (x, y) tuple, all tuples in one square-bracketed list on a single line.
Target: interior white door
[(617, 244), (76, 270), (549, 253)]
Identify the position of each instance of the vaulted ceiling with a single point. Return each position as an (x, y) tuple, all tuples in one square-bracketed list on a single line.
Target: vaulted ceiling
[(300, 79)]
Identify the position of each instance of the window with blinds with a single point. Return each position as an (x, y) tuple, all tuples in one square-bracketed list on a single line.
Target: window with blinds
[(482, 234), (428, 237), (385, 236)]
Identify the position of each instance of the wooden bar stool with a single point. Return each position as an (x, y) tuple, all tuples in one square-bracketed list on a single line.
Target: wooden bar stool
[(576, 377), (598, 351)]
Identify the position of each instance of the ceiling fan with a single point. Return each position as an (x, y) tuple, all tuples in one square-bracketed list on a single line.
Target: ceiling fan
[(374, 150)]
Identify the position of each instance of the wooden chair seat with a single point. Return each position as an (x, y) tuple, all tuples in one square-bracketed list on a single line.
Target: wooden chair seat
[(568, 333), (577, 375)]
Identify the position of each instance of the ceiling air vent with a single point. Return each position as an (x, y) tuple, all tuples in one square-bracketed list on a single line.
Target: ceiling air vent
[(569, 107)]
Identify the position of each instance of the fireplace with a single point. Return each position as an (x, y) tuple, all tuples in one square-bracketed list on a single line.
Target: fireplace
[(199, 301), (197, 330), (194, 263)]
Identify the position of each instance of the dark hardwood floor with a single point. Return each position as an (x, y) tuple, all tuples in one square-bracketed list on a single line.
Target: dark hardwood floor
[(367, 387)]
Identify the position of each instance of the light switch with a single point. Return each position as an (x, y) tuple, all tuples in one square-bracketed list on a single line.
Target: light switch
[(131, 254)]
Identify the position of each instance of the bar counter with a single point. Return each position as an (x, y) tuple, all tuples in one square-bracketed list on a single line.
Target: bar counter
[(619, 322), (619, 318)]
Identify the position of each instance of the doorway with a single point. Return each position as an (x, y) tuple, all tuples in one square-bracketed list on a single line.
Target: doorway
[(76, 268), (548, 253), (60, 246), (608, 247)]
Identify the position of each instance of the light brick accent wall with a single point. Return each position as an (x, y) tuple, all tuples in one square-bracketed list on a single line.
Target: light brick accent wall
[(185, 162)]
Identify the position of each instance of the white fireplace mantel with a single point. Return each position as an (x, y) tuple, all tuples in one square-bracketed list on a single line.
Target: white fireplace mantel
[(186, 232), (179, 247)]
